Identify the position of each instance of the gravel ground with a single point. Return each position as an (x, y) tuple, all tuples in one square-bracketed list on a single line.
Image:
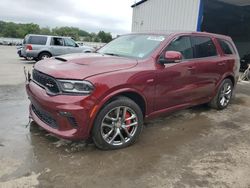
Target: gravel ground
[(197, 147)]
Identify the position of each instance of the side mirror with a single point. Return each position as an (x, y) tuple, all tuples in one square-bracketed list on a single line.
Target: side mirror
[(172, 57)]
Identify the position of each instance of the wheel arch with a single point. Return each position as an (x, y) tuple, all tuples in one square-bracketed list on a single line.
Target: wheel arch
[(226, 76), (230, 77), (44, 51), (132, 94)]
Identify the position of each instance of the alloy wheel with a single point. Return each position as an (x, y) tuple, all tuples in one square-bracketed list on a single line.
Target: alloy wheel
[(225, 95), (45, 56), (119, 125)]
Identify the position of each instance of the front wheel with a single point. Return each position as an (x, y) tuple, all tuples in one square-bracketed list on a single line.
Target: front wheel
[(223, 96), (118, 124)]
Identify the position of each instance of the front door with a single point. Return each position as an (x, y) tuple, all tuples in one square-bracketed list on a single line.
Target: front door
[(71, 46), (176, 82)]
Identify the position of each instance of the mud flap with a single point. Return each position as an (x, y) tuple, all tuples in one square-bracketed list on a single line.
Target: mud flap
[(27, 75)]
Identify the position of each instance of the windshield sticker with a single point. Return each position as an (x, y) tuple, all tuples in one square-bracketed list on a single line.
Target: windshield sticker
[(156, 38)]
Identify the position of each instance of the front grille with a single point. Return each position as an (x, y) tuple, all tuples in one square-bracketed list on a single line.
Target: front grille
[(44, 116), (45, 81)]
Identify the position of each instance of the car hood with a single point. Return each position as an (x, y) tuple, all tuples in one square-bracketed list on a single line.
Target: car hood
[(81, 66)]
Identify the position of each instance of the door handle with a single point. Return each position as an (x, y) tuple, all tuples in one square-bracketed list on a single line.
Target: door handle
[(150, 80), (191, 68), (222, 64)]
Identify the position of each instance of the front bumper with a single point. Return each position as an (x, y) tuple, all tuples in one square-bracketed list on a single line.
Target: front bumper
[(66, 116)]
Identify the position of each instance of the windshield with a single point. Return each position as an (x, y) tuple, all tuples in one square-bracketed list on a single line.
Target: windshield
[(135, 46)]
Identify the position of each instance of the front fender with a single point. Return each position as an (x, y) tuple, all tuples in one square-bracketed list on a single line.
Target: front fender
[(103, 100)]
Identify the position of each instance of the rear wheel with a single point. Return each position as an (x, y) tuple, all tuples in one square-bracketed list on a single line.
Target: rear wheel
[(223, 96), (118, 124), (44, 55), (29, 58)]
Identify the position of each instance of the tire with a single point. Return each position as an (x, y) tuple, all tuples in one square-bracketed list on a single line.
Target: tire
[(223, 96), (29, 58), (44, 55), (118, 124)]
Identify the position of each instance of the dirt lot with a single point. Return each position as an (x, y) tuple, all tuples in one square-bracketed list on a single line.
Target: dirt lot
[(197, 147)]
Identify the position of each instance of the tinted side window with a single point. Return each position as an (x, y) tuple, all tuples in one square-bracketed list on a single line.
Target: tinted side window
[(55, 41), (40, 40), (182, 45), (226, 47), (203, 47)]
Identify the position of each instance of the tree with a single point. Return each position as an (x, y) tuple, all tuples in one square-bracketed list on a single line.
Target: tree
[(21, 32), (2, 26), (83, 33), (10, 29), (31, 28), (14, 30), (45, 31), (67, 31), (104, 37)]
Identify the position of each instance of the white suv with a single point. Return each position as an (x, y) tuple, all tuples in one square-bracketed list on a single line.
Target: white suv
[(44, 46)]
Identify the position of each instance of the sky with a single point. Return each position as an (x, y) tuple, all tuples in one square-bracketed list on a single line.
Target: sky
[(113, 16)]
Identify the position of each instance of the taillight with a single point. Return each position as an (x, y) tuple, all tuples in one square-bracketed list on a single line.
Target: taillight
[(28, 47)]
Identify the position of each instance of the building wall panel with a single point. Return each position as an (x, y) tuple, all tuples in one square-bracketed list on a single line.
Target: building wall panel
[(166, 15)]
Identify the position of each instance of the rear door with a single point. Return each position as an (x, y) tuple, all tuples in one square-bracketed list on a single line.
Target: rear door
[(209, 65), (176, 81), (229, 56)]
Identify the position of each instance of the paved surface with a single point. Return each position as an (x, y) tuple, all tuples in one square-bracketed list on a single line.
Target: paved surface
[(197, 147)]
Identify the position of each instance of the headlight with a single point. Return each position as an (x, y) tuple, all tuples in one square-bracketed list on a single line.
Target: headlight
[(76, 86)]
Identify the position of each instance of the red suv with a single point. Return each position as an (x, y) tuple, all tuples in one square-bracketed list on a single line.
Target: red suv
[(108, 94)]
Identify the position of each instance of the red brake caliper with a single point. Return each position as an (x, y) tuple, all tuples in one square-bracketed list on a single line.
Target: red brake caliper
[(128, 115)]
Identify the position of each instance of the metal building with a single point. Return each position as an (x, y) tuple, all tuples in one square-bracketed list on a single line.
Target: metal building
[(162, 15), (228, 17)]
